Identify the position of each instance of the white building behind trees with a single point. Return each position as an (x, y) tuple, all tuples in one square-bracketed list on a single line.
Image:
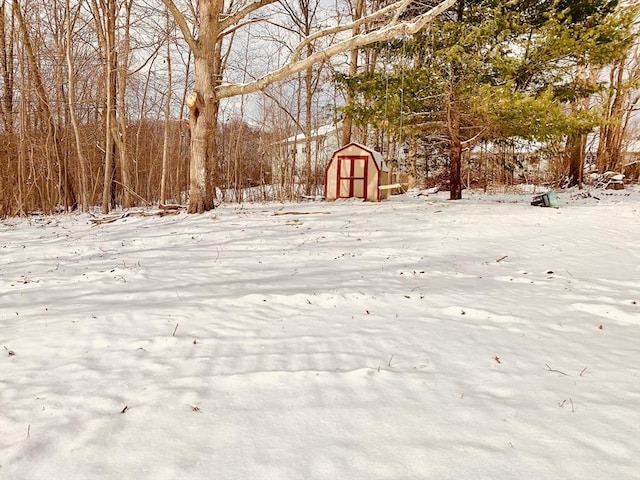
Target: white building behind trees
[(289, 155)]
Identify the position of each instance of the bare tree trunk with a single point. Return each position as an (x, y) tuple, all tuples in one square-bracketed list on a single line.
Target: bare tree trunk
[(455, 177), (455, 148), (109, 12), (6, 64), (347, 123), (412, 168), (212, 28), (119, 129), (576, 142), (308, 128), (44, 108), (574, 153), (82, 162), (21, 202), (620, 103), (204, 105), (167, 119), (181, 181), (294, 158)]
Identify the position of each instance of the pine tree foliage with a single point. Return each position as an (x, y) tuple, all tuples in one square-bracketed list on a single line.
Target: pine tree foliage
[(492, 70)]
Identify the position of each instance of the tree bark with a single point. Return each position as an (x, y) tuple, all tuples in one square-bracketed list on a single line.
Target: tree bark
[(574, 152), (46, 116), (167, 120), (412, 164), (612, 131), (104, 13), (308, 128), (347, 122), (7, 65), (119, 129), (455, 148), (204, 105), (82, 162), (198, 165), (455, 176)]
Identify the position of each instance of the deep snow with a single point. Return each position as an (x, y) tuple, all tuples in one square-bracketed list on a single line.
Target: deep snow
[(415, 338)]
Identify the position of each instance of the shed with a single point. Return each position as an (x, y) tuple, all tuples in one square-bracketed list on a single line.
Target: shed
[(356, 171)]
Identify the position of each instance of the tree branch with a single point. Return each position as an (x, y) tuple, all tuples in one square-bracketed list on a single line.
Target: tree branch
[(295, 56), (182, 23), (401, 9), (295, 65), (475, 139), (243, 12)]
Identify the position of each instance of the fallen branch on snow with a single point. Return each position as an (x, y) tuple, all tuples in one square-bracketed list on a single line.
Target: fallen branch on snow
[(554, 370), (301, 213), (164, 211)]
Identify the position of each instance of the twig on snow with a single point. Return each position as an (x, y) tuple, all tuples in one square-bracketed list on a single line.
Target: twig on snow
[(175, 329), (554, 370), (564, 402)]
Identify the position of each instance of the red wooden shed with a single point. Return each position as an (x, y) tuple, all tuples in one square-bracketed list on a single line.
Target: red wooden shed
[(356, 171)]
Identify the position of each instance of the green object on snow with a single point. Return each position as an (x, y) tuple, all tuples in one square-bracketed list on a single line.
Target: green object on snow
[(549, 199)]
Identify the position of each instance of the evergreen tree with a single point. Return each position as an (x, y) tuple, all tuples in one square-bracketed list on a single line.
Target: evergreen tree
[(490, 70)]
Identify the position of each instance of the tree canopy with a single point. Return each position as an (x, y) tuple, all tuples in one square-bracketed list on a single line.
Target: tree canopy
[(492, 70)]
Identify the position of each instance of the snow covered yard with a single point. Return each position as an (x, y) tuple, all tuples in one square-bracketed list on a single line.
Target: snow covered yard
[(416, 338)]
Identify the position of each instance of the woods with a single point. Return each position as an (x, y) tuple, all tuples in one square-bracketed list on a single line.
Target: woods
[(121, 103)]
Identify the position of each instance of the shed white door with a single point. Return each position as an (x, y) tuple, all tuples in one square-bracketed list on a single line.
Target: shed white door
[(352, 177)]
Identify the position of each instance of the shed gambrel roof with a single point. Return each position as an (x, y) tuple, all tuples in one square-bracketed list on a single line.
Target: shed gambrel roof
[(377, 156)]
